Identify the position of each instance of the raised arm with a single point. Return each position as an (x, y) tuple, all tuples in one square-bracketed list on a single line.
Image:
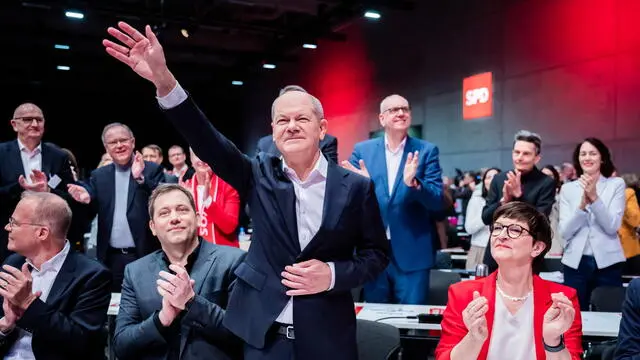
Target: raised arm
[(145, 56)]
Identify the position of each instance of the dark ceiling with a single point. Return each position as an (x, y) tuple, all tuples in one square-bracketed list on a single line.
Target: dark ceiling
[(228, 39)]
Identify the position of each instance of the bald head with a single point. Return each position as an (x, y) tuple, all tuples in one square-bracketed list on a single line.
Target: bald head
[(26, 108), (387, 102), (50, 210)]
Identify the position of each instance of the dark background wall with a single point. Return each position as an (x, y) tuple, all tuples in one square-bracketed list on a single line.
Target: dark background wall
[(566, 69)]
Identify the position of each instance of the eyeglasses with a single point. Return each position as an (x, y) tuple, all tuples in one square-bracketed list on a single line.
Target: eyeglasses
[(13, 223), (395, 110), (30, 119), (514, 231), (115, 142)]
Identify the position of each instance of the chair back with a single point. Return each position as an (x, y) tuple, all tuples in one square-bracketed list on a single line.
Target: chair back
[(439, 283), (377, 340)]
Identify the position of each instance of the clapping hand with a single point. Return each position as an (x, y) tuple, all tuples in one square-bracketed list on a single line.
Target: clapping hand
[(362, 171), (410, 169), (474, 317), (38, 181), (557, 319)]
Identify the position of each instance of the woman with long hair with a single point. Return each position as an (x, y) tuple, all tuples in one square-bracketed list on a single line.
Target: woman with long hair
[(591, 211), (473, 220)]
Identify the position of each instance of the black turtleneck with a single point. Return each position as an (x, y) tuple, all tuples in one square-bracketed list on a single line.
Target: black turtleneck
[(538, 190)]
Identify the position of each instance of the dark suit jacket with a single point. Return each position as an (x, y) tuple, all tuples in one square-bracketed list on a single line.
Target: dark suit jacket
[(628, 347), (203, 335), (351, 235), (70, 324), (328, 146), (54, 162), (101, 187)]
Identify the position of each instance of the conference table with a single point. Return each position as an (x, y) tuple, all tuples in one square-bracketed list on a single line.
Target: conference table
[(596, 324)]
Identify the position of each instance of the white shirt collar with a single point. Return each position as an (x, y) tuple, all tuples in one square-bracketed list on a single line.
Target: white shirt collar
[(320, 168), (55, 263), (400, 147), (23, 147)]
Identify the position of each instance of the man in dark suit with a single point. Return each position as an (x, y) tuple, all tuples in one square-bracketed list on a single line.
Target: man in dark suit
[(153, 153), (173, 300), (55, 300), (29, 164), (328, 146), (628, 347), (119, 192), (524, 183), (317, 227)]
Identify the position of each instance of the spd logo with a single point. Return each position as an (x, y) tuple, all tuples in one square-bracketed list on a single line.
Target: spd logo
[(477, 96)]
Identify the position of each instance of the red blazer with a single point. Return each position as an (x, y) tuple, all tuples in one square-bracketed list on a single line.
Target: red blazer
[(219, 216), (461, 294)]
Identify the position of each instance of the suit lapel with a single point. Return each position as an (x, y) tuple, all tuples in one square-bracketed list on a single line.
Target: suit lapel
[(46, 160), (541, 302), (132, 190), (408, 147), (199, 273), (286, 198), (335, 198), (110, 180), (489, 292), (63, 279), (380, 157), (16, 159)]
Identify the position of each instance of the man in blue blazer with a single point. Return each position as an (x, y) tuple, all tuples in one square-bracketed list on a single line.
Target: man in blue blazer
[(317, 231), (628, 347), (119, 193), (328, 146), (27, 163), (408, 181)]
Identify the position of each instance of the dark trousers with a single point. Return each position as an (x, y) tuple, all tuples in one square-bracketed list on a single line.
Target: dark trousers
[(277, 347), (395, 286), (588, 277), (117, 260)]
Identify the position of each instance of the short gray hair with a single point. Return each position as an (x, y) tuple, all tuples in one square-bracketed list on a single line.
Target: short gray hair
[(113, 125), (50, 210), (317, 105), (531, 137)]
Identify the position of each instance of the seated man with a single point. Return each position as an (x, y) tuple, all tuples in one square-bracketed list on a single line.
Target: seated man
[(629, 334), (54, 301), (173, 300)]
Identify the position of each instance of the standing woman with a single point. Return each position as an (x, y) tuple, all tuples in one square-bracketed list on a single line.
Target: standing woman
[(217, 204), (591, 211), (473, 220)]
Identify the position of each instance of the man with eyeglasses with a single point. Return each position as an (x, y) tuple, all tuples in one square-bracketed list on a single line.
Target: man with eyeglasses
[(27, 163), (408, 183), (119, 192), (178, 160), (54, 300)]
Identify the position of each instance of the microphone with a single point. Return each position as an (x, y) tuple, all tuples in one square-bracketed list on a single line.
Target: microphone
[(482, 270)]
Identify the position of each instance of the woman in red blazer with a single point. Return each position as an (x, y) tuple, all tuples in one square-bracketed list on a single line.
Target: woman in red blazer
[(513, 314), (217, 204)]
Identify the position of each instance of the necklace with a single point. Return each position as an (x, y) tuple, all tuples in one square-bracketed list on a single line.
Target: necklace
[(512, 298)]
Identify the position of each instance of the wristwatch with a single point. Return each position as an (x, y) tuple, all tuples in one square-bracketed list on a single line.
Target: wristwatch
[(556, 348)]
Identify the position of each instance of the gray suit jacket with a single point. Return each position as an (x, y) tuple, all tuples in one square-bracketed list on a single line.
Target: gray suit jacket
[(202, 333)]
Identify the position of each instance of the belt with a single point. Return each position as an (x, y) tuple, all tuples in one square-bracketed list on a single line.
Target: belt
[(284, 330), (124, 251)]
